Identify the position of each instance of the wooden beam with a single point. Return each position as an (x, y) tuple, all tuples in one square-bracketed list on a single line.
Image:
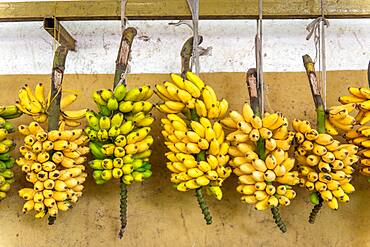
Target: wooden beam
[(178, 9), (59, 33)]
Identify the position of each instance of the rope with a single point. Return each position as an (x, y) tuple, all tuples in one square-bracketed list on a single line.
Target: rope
[(259, 59), (123, 27), (317, 31), (194, 8), (123, 15)]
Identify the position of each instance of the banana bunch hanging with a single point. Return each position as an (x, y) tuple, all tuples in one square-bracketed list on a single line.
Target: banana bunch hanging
[(35, 104), (360, 100), (120, 134), (54, 163), (265, 179), (185, 95), (198, 154), (325, 165), (198, 150), (6, 147)]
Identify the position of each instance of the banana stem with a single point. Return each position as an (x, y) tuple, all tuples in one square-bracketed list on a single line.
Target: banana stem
[(123, 209), (198, 192), (315, 210), (124, 51), (123, 55), (51, 220), (59, 61), (278, 221), (320, 115), (202, 204)]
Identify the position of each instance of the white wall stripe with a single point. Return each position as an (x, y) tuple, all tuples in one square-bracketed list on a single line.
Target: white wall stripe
[(26, 48)]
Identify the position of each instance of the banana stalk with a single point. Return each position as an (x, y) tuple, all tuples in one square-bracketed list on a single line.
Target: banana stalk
[(320, 116), (278, 221), (124, 51), (123, 209), (59, 61), (255, 95), (315, 210), (186, 53)]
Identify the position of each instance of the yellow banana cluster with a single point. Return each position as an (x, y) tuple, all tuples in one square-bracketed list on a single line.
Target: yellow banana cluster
[(120, 134), (54, 163), (198, 154), (6, 159), (266, 183), (325, 165), (339, 117), (360, 97), (34, 103), (190, 93), (361, 138)]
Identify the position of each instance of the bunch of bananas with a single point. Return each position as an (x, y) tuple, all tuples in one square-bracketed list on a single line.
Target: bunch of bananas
[(325, 165), (198, 154), (36, 104), (198, 150), (360, 99), (6, 147), (184, 95), (264, 181), (338, 117), (360, 137), (119, 134), (53, 162)]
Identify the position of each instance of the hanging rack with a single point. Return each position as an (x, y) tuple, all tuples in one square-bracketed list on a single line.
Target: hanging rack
[(178, 9)]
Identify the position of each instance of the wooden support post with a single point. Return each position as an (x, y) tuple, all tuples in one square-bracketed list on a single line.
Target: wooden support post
[(320, 118), (60, 34), (124, 51)]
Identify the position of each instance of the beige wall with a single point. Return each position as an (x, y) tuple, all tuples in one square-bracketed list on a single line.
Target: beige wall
[(158, 215)]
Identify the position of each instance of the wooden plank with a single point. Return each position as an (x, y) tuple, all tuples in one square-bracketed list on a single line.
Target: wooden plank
[(178, 9)]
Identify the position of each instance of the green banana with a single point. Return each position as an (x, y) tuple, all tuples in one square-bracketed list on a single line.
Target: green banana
[(106, 94), (126, 127), (120, 92), (104, 123), (103, 135), (117, 120), (112, 104), (98, 99), (10, 163), (104, 111), (96, 164), (96, 151)]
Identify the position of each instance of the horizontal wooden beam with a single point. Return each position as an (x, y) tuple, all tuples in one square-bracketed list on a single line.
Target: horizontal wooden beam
[(178, 9)]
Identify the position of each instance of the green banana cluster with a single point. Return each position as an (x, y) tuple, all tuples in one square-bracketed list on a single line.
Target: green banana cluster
[(6, 147), (119, 134)]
